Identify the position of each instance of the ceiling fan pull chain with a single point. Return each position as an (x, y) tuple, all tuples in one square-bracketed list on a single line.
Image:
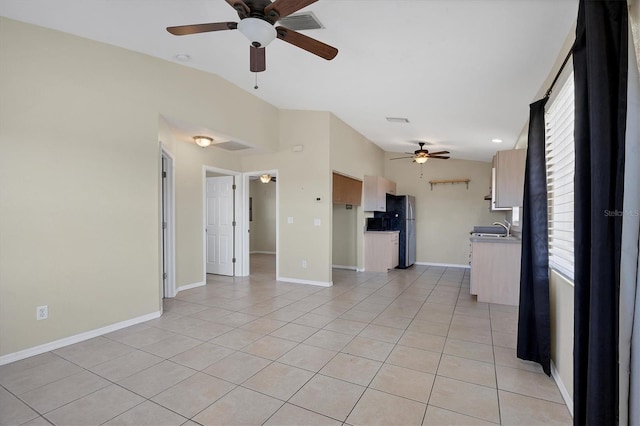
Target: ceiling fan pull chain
[(256, 86)]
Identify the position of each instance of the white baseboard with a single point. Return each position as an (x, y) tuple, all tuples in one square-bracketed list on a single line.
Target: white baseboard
[(57, 344), (350, 268), (190, 286), (568, 399), (307, 282), (262, 252), (359, 269), (446, 265)]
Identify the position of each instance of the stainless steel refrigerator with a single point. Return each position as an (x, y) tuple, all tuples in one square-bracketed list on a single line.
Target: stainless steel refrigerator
[(401, 216)]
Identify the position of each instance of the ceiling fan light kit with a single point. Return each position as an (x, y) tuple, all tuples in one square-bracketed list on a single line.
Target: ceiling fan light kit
[(257, 20), (260, 33), (421, 155)]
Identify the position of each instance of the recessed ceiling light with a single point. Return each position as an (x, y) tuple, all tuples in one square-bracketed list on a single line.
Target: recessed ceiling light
[(397, 120), (496, 140), (182, 57)]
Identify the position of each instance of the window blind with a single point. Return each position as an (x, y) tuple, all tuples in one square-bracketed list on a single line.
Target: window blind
[(560, 156)]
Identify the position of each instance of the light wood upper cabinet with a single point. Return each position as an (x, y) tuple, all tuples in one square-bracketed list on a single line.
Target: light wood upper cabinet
[(509, 181), (391, 187), (346, 190), (376, 189)]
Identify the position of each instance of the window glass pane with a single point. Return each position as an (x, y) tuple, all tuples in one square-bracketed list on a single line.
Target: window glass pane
[(560, 153)]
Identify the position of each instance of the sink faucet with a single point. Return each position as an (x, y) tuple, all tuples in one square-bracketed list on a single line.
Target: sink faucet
[(507, 227)]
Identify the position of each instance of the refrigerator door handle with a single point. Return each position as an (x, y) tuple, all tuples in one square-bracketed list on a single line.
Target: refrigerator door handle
[(410, 206)]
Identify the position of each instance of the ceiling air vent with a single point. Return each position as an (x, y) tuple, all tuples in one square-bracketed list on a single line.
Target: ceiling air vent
[(232, 146), (301, 21), (397, 120)]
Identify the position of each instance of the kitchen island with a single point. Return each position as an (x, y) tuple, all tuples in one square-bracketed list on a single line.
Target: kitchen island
[(495, 269), (381, 250)]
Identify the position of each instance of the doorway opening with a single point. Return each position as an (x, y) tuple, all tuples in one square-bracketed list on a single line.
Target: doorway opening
[(167, 224), (345, 237), (262, 213), (223, 203)]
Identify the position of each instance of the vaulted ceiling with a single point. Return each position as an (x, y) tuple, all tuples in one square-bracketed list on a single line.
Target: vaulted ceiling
[(461, 71)]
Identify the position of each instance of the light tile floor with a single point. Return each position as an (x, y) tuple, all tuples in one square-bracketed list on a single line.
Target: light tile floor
[(405, 348)]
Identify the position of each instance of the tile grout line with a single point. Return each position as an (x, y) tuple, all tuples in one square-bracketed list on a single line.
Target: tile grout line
[(396, 344), (333, 299), (435, 376)]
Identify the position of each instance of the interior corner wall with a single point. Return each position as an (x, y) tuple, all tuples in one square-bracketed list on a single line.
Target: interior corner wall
[(522, 141), (561, 290), (262, 238), (190, 160), (80, 173), (304, 185), (356, 156), (447, 213)]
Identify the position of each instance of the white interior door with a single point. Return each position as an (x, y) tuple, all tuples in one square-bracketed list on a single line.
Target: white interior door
[(220, 225)]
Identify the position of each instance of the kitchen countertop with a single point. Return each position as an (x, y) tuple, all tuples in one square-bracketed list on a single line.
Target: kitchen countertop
[(504, 240), (380, 232)]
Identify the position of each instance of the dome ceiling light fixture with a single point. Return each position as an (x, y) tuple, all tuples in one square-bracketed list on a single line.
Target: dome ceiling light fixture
[(203, 141), (265, 178), (259, 32)]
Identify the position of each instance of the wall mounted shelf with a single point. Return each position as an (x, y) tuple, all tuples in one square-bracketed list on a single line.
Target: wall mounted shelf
[(451, 181)]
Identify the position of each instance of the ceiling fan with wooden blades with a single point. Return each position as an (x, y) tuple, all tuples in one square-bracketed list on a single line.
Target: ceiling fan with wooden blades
[(257, 23), (421, 155)]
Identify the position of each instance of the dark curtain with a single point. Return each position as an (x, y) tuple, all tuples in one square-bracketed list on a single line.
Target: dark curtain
[(600, 67), (534, 329)]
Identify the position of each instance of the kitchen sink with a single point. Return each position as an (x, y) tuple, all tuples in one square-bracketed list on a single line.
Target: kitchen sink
[(489, 231)]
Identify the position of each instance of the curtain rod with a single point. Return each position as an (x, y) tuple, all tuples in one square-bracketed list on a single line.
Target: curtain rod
[(564, 63)]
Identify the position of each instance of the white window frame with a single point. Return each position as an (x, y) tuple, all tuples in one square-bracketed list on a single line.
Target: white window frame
[(560, 164)]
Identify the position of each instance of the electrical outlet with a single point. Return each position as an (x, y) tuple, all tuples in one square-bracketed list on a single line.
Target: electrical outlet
[(42, 312), (304, 263)]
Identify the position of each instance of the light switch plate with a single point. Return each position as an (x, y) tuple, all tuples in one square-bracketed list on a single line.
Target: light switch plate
[(290, 219), (316, 222)]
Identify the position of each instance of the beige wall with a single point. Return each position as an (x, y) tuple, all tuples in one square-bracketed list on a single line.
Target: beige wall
[(562, 54), (189, 160), (561, 298), (561, 290), (79, 165), (345, 236), (263, 226), (328, 145), (354, 155), (634, 13), (302, 177), (446, 215)]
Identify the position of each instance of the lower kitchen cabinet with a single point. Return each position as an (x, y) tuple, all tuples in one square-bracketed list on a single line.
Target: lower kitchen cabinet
[(495, 270), (381, 250)]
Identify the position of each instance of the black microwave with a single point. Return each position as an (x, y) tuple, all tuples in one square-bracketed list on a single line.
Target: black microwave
[(375, 224)]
